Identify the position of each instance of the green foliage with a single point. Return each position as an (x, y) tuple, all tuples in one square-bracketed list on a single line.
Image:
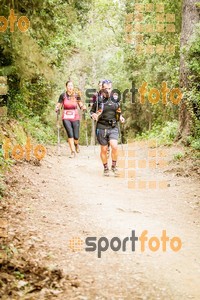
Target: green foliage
[(18, 275), (5, 164), (193, 94), (86, 41), (195, 144), (163, 134), (178, 156), (35, 61), (36, 129), (37, 94), (154, 69), (85, 130)]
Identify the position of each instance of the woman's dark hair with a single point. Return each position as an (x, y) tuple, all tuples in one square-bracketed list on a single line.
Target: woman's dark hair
[(68, 82)]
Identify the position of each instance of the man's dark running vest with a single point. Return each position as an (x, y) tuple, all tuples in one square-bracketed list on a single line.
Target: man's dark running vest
[(109, 112)]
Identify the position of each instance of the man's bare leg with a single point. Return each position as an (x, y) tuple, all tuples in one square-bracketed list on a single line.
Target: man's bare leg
[(114, 155), (104, 159)]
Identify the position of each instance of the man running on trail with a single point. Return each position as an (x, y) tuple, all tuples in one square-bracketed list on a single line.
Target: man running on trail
[(107, 131), (71, 119)]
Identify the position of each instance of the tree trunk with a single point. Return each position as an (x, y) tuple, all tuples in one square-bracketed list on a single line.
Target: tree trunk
[(190, 17)]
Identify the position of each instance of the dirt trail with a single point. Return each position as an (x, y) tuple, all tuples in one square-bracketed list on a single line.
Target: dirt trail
[(67, 198)]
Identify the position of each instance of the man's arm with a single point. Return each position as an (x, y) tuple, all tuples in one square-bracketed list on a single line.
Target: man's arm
[(93, 113), (79, 101), (122, 120)]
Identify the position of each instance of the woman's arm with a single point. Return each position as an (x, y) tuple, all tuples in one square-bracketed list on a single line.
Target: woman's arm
[(79, 102), (58, 106), (59, 103), (81, 105)]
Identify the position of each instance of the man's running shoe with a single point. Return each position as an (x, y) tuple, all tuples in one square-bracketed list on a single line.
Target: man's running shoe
[(115, 171), (106, 172)]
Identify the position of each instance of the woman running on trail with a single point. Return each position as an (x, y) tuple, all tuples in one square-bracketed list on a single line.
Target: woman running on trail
[(71, 101)]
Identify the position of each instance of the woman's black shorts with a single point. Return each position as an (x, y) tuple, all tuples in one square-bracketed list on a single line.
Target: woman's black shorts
[(72, 128)]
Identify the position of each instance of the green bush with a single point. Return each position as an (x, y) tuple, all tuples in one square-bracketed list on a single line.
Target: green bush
[(164, 134), (178, 156), (86, 125), (37, 130), (196, 144)]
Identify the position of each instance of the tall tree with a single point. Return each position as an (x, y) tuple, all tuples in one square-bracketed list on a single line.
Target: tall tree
[(190, 18)]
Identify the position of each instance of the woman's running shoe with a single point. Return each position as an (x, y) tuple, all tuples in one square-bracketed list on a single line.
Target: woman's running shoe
[(72, 155), (77, 148)]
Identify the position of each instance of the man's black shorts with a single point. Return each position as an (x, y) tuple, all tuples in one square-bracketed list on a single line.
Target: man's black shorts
[(105, 135)]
